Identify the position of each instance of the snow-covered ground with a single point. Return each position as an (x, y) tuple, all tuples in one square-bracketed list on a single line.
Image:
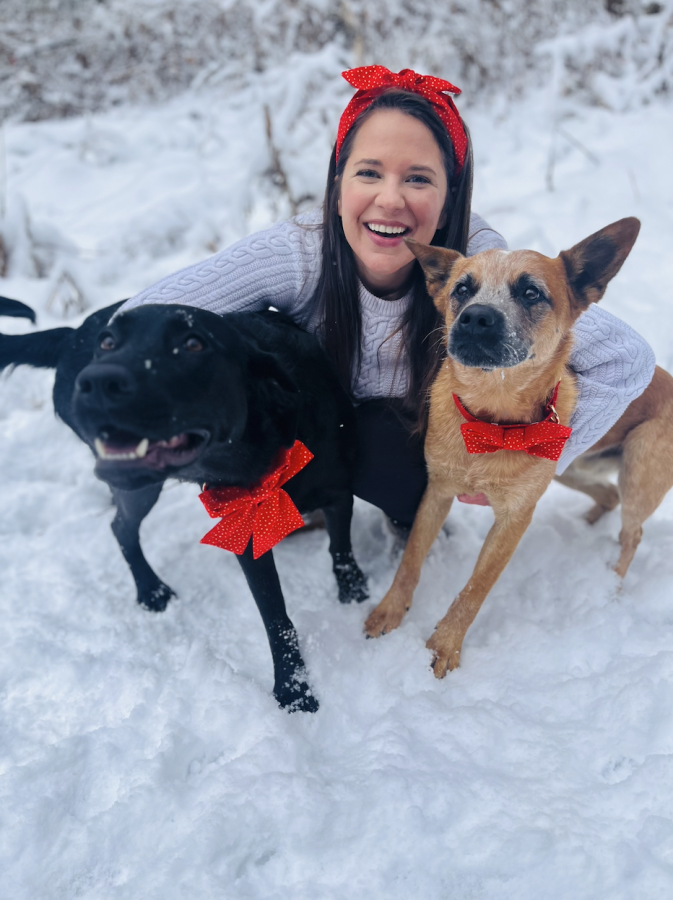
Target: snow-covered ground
[(143, 755)]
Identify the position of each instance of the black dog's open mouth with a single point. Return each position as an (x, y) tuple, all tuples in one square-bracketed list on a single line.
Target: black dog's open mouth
[(119, 448)]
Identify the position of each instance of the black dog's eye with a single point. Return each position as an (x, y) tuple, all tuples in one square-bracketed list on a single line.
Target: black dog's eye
[(531, 294), (107, 343), (193, 344)]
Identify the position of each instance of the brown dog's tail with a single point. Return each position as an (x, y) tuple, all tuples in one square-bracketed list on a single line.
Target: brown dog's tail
[(40, 350)]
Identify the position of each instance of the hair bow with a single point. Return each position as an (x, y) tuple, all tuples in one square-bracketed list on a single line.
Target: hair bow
[(370, 80)]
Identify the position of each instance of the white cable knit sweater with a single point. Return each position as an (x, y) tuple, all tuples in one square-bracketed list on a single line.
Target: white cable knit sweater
[(281, 267)]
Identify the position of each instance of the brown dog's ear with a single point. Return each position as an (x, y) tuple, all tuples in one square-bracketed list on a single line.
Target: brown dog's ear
[(591, 264), (436, 263)]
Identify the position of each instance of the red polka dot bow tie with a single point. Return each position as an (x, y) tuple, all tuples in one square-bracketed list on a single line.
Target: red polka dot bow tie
[(544, 439), (370, 80), (264, 511)]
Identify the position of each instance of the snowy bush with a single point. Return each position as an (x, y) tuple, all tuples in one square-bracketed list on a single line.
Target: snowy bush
[(619, 66), (66, 57)]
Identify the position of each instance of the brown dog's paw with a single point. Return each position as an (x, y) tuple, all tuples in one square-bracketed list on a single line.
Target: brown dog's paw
[(446, 656), (595, 513), (385, 618)]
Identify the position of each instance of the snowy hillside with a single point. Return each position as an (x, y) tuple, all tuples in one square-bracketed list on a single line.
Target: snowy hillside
[(142, 755)]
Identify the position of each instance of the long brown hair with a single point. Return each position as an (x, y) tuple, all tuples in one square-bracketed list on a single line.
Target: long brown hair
[(336, 297)]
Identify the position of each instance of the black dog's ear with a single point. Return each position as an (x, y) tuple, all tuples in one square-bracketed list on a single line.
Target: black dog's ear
[(265, 365), (592, 263), (436, 263), (277, 394)]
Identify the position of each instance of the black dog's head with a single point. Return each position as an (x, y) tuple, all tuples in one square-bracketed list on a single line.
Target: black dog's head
[(174, 391)]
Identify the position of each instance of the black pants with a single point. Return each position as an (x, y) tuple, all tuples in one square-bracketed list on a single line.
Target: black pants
[(390, 470)]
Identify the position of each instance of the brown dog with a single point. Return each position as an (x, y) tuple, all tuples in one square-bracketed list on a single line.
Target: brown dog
[(509, 317)]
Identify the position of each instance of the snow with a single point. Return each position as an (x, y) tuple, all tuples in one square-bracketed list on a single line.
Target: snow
[(144, 756)]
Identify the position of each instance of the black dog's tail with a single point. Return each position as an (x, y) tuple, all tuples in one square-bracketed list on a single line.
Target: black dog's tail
[(40, 350), (16, 309)]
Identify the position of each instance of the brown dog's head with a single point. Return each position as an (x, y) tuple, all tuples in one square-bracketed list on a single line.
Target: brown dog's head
[(505, 307)]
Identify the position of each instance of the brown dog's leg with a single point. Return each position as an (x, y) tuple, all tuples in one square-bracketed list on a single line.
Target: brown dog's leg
[(500, 544), (604, 494), (432, 512), (645, 478)]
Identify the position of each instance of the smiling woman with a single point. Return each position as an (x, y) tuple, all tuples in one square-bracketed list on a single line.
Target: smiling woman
[(399, 193), (401, 168)]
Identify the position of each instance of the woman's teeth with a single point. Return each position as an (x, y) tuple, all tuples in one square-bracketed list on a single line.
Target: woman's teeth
[(387, 229)]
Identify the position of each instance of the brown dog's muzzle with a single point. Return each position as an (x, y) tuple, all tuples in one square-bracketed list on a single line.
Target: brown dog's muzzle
[(481, 338)]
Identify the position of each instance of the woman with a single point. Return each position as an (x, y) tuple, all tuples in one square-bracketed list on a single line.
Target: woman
[(401, 167)]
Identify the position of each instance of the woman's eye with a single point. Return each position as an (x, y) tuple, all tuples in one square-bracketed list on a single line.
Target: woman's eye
[(107, 343), (193, 344), (418, 179), (531, 294), (368, 173)]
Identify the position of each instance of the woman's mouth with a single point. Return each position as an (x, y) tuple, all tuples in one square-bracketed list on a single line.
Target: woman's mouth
[(383, 234)]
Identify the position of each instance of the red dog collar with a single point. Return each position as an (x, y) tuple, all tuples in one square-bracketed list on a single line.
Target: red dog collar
[(544, 439), (264, 511)]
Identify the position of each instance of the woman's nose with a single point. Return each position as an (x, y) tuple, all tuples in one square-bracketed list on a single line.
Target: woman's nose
[(390, 195)]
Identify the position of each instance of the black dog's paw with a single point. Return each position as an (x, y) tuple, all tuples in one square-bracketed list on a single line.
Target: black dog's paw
[(351, 581), (156, 599), (295, 695)]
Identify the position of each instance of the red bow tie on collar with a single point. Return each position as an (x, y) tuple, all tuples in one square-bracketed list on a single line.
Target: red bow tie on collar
[(545, 439), (263, 511)]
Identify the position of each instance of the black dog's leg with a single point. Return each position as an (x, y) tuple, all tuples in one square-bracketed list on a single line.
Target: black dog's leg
[(132, 507), (290, 689), (350, 579)]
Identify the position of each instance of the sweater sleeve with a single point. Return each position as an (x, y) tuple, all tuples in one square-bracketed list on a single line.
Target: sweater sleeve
[(613, 365), (280, 266), (483, 237)]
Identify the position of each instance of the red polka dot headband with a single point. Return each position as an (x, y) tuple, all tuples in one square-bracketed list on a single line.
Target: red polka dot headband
[(370, 80)]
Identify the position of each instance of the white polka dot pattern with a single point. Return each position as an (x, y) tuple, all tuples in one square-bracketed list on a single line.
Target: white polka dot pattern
[(262, 512), (544, 439), (371, 80)]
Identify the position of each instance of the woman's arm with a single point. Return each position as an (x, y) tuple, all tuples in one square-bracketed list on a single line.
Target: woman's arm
[(483, 237), (279, 266), (614, 365)]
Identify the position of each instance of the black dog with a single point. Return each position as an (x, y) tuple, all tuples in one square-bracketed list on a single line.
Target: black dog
[(176, 392)]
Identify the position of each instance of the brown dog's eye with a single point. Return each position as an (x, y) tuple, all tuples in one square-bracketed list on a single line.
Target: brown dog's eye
[(531, 294), (462, 291), (193, 344), (108, 343)]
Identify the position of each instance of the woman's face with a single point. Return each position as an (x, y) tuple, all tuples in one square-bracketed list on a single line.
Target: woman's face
[(393, 186)]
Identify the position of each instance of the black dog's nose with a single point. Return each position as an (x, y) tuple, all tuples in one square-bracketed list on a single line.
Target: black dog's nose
[(106, 381), (479, 320)]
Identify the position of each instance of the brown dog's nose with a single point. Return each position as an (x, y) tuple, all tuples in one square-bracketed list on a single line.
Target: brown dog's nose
[(104, 381), (479, 320)]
